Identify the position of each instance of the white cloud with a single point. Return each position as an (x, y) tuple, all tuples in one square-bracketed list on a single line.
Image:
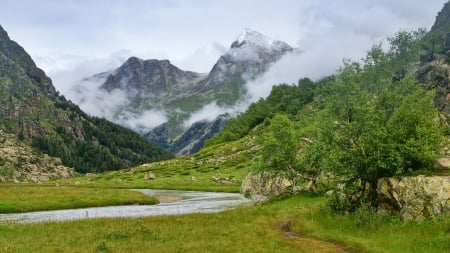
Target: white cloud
[(207, 113), (61, 34), (145, 121)]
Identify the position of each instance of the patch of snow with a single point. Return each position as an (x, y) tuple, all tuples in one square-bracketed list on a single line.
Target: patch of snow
[(260, 40)]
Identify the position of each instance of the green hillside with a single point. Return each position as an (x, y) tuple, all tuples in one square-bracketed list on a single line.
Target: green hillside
[(33, 110)]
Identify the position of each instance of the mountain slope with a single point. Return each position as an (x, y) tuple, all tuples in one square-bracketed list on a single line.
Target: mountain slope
[(434, 68), (152, 87), (31, 108), (21, 163)]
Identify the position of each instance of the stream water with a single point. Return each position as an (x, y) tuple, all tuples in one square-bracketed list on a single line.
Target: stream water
[(185, 202)]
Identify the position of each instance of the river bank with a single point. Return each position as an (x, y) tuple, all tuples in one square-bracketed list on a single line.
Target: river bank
[(174, 203)]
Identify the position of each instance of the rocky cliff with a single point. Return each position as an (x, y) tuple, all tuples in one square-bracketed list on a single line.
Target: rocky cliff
[(434, 67), (142, 78)]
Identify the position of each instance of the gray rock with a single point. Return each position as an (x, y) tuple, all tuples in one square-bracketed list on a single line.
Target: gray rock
[(266, 184), (415, 198), (150, 175), (20, 163)]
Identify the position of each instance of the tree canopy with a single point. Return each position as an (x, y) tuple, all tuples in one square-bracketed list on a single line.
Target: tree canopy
[(371, 120)]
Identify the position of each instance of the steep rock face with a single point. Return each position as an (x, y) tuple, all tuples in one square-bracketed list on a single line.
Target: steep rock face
[(31, 109), (20, 163), (434, 68), (194, 138), (415, 198), (158, 85), (148, 77), (251, 53), (15, 53), (191, 140), (435, 75), (443, 18)]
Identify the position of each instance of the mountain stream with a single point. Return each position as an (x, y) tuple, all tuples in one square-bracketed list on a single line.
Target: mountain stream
[(171, 203)]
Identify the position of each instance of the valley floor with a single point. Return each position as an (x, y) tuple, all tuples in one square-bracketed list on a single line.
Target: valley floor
[(293, 224)]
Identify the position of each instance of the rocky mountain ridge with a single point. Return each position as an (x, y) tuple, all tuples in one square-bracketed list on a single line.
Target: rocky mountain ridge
[(150, 85), (148, 77)]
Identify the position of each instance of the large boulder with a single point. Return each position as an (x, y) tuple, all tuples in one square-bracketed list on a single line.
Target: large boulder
[(150, 175), (265, 183), (415, 198)]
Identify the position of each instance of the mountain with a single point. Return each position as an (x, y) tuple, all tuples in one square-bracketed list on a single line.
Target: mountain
[(434, 68), (21, 163), (422, 55), (33, 110), (148, 77), (251, 53), (156, 87)]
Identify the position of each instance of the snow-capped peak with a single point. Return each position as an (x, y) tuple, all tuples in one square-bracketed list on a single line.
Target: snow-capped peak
[(256, 38), (251, 36)]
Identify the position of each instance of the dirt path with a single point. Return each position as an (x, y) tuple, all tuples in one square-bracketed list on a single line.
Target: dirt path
[(309, 243)]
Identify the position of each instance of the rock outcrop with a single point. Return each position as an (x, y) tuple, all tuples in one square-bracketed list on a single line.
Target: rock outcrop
[(415, 198), (20, 163), (435, 75), (265, 183)]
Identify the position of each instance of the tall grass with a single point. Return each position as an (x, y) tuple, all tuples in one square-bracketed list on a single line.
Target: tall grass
[(377, 232)]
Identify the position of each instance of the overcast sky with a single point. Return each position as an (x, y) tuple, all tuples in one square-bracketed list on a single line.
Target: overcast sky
[(62, 35)]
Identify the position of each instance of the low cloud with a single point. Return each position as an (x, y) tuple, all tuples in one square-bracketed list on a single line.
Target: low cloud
[(244, 53), (143, 122), (79, 84), (207, 113), (314, 60)]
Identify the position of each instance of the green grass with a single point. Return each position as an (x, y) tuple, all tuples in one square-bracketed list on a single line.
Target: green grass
[(26, 198), (246, 229), (217, 168), (370, 232)]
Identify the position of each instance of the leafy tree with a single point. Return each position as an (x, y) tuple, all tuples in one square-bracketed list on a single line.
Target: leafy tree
[(280, 145), (373, 124)]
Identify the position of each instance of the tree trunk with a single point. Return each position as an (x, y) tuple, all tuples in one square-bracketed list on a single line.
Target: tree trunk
[(373, 195)]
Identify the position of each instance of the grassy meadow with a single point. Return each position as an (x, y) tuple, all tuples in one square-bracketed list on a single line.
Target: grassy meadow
[(293, 224), (217, 168), (26, 198)]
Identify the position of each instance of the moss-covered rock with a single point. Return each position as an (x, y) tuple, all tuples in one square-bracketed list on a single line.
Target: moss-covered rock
[(415, 198), (267, 184)]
